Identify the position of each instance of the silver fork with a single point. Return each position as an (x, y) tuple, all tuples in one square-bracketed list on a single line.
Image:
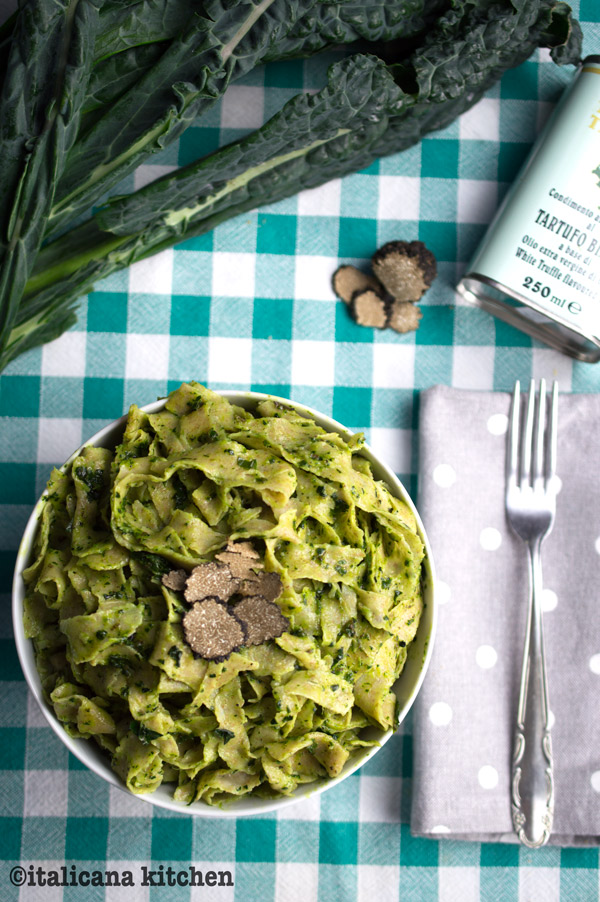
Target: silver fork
[(530, 508)]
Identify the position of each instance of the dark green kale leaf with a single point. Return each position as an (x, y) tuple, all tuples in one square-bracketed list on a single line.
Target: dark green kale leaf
[(180, 495), (122, 663), (94, 481), (143, 733), (156, 565), (111, 77), (141, 22), (175, 653)]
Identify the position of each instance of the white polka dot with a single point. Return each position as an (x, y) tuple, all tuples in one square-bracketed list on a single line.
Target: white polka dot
[(442, 592), (490, 538), (597, 544), (498, 424), (551, 719), (440, 828), (486, 656), (440, 714), (549, 600), (595, 781), (488, 777), (444, 475), (595, 664)]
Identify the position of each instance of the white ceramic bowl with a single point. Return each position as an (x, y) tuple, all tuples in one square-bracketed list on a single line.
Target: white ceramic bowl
[(406, 687)]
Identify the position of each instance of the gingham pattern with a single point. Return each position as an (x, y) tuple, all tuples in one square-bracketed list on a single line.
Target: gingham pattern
[(249, 306)]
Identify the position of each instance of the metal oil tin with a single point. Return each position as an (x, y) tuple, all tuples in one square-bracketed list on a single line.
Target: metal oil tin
[(538, 267)]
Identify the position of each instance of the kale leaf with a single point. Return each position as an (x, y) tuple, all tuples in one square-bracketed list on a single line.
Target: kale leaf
[(154, 563), (143, 733), (93, 480)]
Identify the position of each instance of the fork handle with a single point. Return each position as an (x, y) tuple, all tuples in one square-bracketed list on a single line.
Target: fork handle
[(532, 776)]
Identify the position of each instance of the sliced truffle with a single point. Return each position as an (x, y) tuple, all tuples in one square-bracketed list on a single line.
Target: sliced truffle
[(241, 558), (406, 269), (262, 618), (212, 630), (404, 316), (240, 566), (368, 308), (245, 548), (212, 579), (175, 579), (267, 584), (347, 280)]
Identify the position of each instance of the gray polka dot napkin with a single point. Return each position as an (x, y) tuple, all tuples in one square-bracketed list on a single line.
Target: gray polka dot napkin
[(465, 714)]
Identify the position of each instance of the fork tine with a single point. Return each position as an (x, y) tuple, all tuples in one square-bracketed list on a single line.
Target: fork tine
[(550, 469), (540, 431), (513, 437), (527, 438)]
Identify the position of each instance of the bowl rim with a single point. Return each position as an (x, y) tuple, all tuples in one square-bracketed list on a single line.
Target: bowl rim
[(92, 757)]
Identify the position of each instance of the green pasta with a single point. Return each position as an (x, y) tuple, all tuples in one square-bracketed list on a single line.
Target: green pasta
[(110, 645)]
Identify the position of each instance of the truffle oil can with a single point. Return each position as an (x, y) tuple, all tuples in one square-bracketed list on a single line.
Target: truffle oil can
[(538, 267)]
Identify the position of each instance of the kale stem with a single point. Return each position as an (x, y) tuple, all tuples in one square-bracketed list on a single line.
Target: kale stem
[(64, 256)]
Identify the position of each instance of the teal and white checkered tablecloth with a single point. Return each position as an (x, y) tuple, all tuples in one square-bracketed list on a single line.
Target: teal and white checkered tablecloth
[(250, 306)]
